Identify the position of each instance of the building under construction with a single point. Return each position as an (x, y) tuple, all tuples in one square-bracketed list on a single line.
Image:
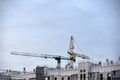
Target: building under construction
[(86, 70)]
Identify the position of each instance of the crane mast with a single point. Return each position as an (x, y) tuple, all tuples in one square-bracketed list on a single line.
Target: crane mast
[(72, 54)]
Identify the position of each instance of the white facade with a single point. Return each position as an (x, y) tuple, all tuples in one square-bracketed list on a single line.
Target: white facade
[(87, 71), (16, 75), (24, 76), (62, 74)]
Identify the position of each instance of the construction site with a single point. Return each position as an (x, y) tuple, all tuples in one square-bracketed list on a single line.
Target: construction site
[(86, 70)]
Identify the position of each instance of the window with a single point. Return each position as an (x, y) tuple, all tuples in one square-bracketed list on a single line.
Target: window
[(114, 72), (62, 78), (101, 76), (80, 70), (84, 76), (90, 74), (68, 77), (55, 78), (80, 76), (84, 70)]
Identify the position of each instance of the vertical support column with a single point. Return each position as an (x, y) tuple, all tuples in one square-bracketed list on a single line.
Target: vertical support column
[(71, 51)]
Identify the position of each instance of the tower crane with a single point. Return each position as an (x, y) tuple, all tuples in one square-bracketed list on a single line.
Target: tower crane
[(73, 55), (58, 58)]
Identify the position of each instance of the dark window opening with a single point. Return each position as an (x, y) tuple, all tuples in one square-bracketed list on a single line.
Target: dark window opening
[(84, 76), (62, 78), (55, 78), (80, 76), (101, 76), (84, 70), (80, 70), (90, 74), (114, 72), (68, 77)]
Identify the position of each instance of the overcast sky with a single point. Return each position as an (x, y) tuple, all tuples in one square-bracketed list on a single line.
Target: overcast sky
[(45, 27)]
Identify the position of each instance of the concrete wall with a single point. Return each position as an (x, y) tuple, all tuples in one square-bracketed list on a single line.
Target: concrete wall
[(3, 77), (83, 69), (115, 75)]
